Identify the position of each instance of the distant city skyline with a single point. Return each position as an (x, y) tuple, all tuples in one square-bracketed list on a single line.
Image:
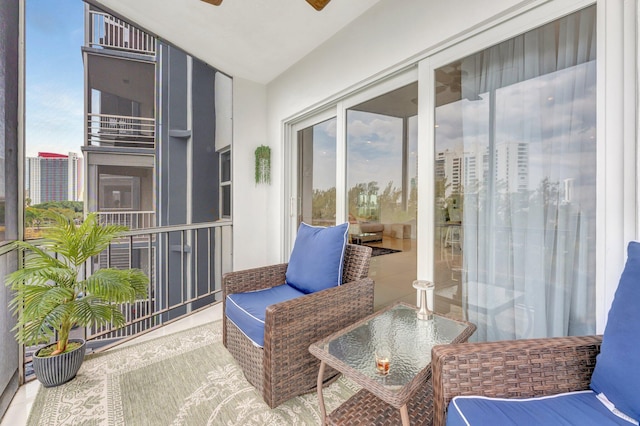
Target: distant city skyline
[(53, 177), (54, 97)]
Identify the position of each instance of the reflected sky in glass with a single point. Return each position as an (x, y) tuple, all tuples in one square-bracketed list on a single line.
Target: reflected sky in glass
[(554, 115)]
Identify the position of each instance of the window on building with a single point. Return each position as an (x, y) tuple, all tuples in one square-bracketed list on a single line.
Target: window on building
[(225, 184)]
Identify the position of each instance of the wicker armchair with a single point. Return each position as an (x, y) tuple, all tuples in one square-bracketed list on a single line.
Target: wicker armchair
[(285, 368), (511, 369)]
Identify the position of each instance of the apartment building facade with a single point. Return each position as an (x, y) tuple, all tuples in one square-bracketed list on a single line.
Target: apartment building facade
[(53, 177), (157, 145)]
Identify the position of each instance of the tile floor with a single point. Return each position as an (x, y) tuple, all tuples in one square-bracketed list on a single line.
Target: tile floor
[(394, 273)]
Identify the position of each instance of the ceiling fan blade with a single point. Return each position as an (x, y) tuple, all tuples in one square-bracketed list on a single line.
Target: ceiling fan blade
[(318, 4)]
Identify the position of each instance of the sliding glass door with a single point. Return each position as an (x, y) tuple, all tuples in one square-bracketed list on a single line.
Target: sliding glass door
[(360, 165), (317, 174), (382, 185), (515, 183)]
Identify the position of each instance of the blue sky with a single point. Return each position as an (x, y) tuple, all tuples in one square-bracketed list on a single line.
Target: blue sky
[(54, 76), (374, 150)]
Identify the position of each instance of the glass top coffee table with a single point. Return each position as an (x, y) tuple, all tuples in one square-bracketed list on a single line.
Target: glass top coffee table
[(408, 342), (365, 237)]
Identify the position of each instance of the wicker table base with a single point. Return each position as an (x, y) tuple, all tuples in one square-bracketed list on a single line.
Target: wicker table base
[(378, 412)]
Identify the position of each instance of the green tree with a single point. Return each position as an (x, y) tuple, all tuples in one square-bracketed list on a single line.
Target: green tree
[(324, 204)]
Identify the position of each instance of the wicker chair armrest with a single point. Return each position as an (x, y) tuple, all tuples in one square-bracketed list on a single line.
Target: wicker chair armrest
[(291, 326), (311, 313), (510, 369), (253, 279)]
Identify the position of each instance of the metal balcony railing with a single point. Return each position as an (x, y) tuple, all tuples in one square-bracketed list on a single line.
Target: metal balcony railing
[(184, 264), (121, 131), (106, 31), (131, 219)]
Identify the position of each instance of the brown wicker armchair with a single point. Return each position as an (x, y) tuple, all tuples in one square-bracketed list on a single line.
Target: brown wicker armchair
[(285, 368), (511, 369)]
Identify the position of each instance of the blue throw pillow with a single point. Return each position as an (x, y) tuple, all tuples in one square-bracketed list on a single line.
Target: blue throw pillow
[(316, 260), (617, 371)]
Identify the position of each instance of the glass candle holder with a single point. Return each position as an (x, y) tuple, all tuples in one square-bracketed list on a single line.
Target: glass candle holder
[(383, 361), (425, 296)]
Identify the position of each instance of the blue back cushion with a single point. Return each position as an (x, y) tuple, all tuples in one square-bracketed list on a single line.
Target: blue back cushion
[(316, 260), (617, 371)]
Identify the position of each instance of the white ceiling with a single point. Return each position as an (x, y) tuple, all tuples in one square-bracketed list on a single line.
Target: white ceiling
[(252, 39)]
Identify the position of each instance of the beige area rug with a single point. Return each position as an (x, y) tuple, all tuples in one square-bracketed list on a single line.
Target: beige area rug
[(187, 378)]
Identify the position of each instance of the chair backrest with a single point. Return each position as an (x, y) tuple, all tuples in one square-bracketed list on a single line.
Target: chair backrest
[(617, 371), (356, 263)]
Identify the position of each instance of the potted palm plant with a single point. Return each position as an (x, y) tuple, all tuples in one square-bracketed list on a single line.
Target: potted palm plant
[(53, 293)]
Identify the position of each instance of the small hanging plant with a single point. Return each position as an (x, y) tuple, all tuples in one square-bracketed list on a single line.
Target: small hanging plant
[(263, 164)]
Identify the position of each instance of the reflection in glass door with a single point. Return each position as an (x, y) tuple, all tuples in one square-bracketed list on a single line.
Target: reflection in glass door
[(317, 174), (382, 188), (515, 173)]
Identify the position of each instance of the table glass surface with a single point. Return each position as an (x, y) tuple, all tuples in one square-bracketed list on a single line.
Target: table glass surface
[(408, 339)]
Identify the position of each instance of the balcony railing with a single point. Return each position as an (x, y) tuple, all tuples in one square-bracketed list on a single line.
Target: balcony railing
[(184, 264), (121, 131), (131, 219), (106, 31)]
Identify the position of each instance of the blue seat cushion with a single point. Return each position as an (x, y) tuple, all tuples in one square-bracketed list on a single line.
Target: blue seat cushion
[(574, 408), (617, 371), (248, 310), (317, 257)]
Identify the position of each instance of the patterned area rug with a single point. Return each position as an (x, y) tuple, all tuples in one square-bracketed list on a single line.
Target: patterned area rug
[(186, 378)]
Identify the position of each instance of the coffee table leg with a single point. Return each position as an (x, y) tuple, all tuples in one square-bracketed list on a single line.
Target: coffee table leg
[(404, 415), (323, 411)]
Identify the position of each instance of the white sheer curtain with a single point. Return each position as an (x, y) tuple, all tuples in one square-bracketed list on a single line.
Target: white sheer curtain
[(528, 119)]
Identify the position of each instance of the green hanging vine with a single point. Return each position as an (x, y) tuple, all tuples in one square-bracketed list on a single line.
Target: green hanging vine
[(263, 164)]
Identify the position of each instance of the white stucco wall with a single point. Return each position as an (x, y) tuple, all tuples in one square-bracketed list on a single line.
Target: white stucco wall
[(253, 204), (389, 33)]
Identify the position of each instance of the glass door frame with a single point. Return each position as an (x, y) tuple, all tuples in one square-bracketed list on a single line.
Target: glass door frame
[(617, 197), (336, 110), (290, 218)]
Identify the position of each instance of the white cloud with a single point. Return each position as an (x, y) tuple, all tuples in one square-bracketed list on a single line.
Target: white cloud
[(54, 120)]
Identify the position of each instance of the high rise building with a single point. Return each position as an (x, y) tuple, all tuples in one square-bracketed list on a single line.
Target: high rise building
[(53, 177), (470, 168)]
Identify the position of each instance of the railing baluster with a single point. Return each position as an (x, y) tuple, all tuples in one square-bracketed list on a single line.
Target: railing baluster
[(182, 280), (194, 257), (209, 260), (166, 277), (151, 277)]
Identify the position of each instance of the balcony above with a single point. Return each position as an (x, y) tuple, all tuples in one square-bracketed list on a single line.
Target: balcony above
[(107, 130), (132, 219), (108, 32)]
